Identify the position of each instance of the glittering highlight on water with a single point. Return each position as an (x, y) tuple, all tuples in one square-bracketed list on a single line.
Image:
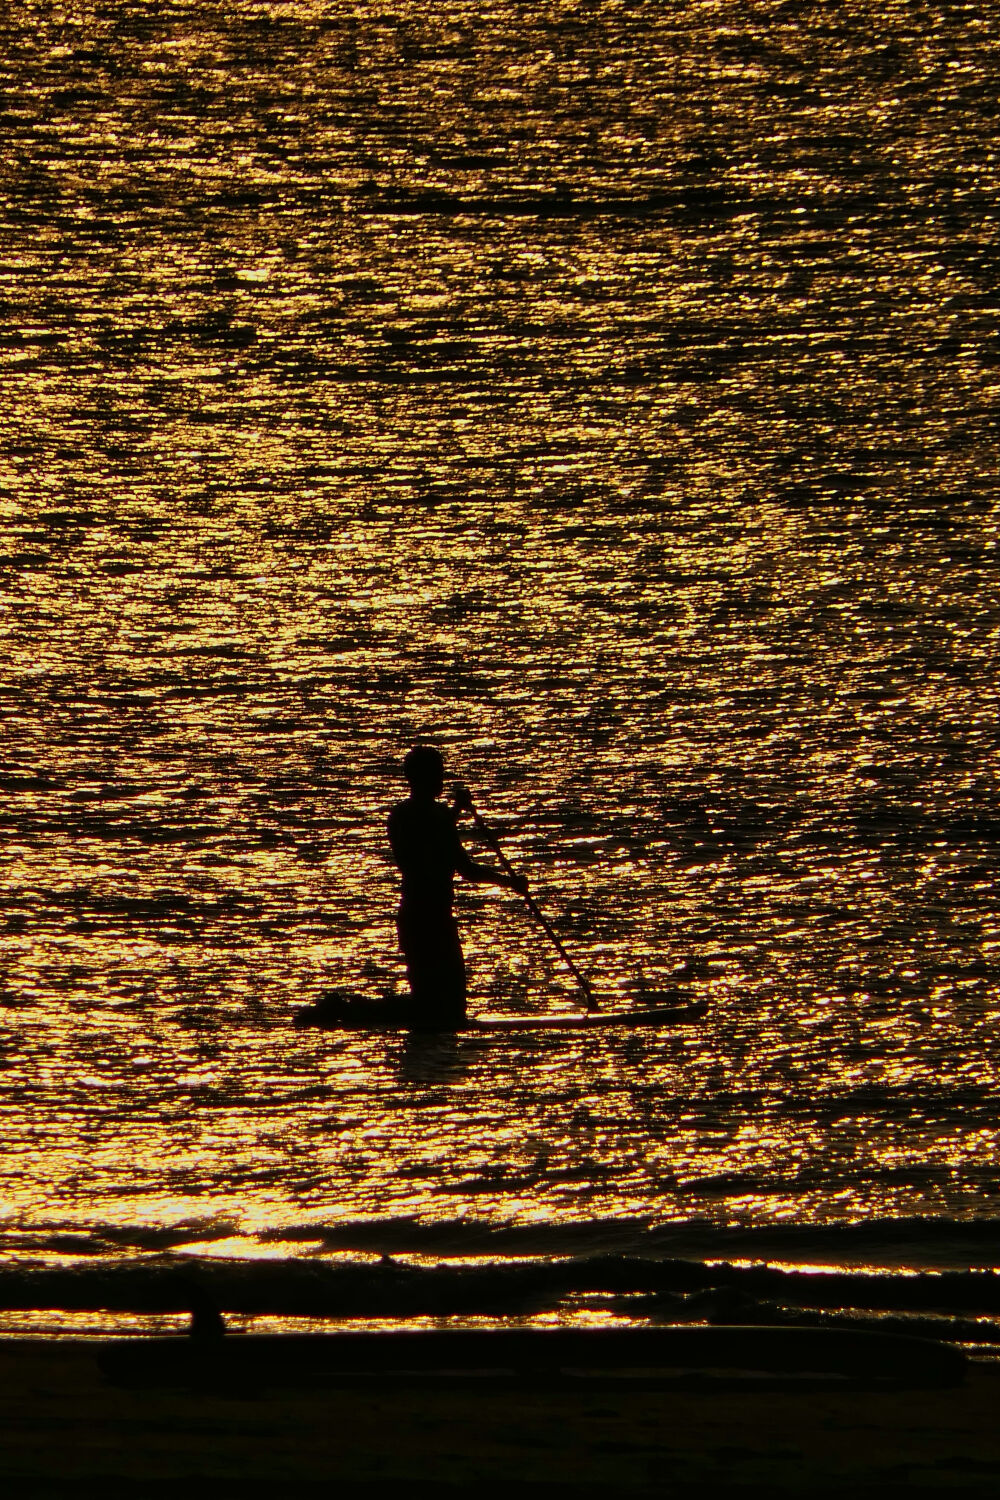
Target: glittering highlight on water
[(610, 397)]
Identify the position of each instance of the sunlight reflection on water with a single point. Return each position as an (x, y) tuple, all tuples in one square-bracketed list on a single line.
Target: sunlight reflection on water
[(645, 462)]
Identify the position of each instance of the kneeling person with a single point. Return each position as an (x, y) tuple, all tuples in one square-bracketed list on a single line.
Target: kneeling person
[(429, 853)]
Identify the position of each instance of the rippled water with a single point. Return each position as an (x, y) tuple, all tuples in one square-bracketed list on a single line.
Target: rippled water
[(607, 393)]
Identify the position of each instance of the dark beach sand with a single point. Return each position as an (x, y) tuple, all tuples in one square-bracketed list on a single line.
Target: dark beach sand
[(66, 1431)]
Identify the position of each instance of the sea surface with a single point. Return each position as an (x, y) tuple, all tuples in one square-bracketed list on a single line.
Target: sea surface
[(606, 393)]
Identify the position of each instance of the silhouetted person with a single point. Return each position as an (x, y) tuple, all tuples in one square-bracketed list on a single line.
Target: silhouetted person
[(207, 1323), (429, 853)]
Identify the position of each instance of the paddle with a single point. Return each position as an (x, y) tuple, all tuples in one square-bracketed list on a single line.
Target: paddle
[(464, 798)]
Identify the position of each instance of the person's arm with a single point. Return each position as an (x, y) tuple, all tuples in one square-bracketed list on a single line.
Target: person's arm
[(485, 875), (401, 851), (481, 874)]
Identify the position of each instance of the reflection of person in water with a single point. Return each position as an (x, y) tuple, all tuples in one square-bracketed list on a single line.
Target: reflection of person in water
[(428, 851)]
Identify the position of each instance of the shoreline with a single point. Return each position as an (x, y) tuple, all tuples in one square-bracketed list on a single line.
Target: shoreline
[(158, 1294)]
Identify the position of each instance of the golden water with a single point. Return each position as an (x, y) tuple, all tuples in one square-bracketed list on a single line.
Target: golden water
[(606, 392)]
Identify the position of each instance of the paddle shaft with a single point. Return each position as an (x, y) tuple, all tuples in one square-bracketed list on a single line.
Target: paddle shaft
[(532, 905)]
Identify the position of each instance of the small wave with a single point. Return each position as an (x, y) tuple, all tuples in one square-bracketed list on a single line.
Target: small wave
[(553, 204), (903, 1243), (910, 1244), (656, 1288)]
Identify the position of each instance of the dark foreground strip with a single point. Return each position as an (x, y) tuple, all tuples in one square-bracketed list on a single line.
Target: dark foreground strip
[(546, 1355)]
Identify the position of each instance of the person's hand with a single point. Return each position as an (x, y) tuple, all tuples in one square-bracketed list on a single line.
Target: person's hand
[(519, 884), (462, 798)]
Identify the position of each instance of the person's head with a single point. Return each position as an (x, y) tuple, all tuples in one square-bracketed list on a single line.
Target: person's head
[(423, 768)]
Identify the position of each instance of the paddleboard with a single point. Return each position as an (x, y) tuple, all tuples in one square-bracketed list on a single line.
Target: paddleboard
[(652, 1015), (339, 1018)]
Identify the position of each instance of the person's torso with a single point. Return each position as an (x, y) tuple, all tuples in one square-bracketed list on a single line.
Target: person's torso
[(425, 847)]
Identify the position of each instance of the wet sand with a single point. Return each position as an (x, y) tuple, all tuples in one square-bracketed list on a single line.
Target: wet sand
[(66, 1430)]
